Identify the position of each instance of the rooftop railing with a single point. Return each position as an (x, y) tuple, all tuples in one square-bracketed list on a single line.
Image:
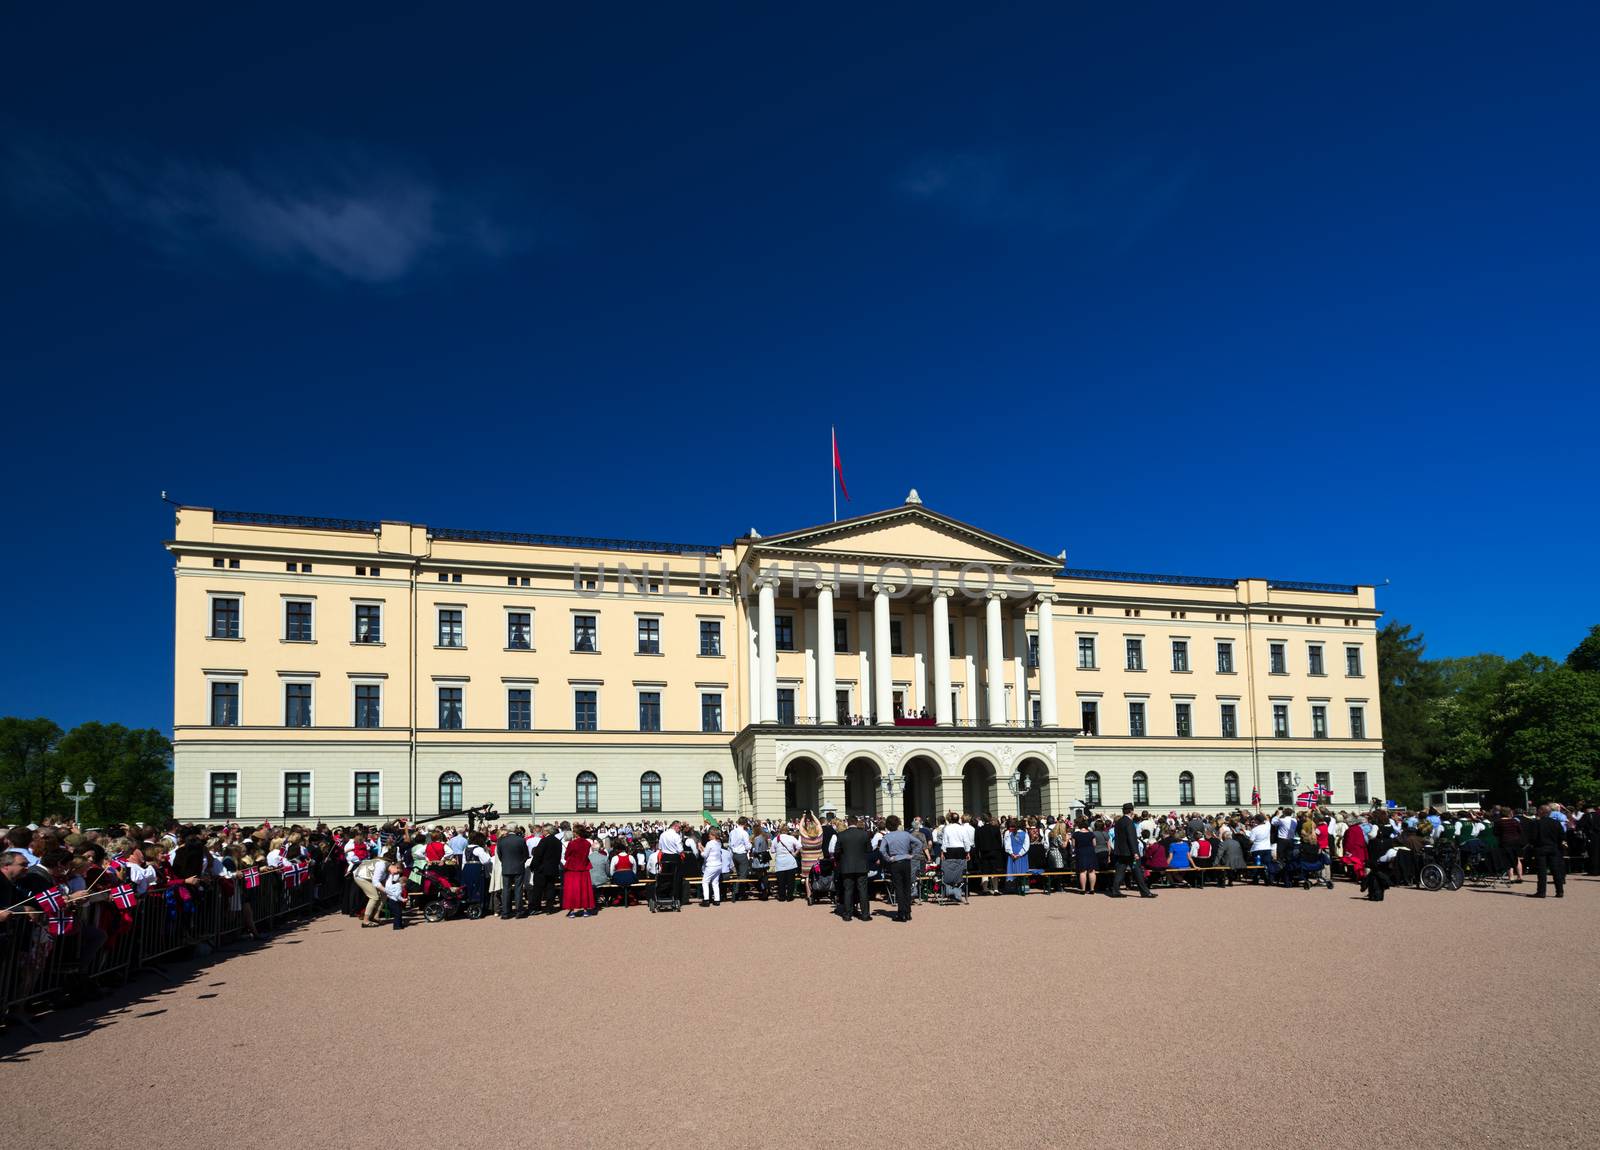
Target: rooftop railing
[(577, 542), (266, 519), (1145, 577)]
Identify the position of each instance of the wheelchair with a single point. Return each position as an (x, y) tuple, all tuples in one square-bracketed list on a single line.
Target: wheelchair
[(1443, 870)]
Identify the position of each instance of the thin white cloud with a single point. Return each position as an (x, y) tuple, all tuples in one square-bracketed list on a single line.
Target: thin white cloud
[(364, 221), (998, 189)]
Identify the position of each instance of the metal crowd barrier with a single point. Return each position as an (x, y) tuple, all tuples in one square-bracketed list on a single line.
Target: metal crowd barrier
[(108, 945)]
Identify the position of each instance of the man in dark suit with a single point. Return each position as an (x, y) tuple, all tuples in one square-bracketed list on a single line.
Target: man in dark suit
[(545, 863), (1549, 842), (1125, 850), (512, 849), (990, 849), (852, 851)]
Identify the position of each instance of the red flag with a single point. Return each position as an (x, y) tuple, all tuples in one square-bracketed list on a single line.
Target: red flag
[(838, 467)]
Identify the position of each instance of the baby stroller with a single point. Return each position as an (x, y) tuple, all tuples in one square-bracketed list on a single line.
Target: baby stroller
[(663, 892), (952, 884), (822, 885)]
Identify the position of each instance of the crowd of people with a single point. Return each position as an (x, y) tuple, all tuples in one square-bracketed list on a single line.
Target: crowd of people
[(381, 872)]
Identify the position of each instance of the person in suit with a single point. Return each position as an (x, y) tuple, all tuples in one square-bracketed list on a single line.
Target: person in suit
[(988, 843), (898, 848), (1125, 853), (545, 863), (512, 850), (852, 851), (1548, 841)]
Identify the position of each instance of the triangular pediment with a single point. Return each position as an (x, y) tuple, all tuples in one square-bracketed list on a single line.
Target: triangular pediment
[(907, 532)]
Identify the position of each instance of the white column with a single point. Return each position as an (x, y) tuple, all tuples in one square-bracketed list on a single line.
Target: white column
[(882, 680), (864, 640), (969, 664), (941, 657), (1019, 667), (827, 690), (1047, 661), (994, 652), (769, 650), (753, 658), (919, 660), (813, 649)]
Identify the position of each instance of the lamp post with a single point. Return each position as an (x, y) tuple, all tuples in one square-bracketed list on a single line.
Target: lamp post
[(535, 790), (1020, 785), (1526, 783), (890, 783), (66, 789)]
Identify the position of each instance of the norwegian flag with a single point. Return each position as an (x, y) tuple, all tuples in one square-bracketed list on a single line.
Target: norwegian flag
[(252, 878), (60, 924), (113, 865), (52, 899), (124, 896), (292, 874)]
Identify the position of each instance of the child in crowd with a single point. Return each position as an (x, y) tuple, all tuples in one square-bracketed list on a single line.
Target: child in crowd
[(394, 892)]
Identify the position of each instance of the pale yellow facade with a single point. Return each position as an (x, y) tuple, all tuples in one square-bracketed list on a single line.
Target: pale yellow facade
[(344, 670)]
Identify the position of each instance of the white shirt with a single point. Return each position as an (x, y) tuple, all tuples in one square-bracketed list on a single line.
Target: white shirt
[(1260, 837), (713, 854), (671, 842), (739, 840), (785, 852), (140, 875)]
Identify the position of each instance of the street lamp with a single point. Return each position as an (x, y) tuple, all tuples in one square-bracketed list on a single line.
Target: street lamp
[(1526, 783), (1019, 783), (890, 783), (535, 790), (66, 789)]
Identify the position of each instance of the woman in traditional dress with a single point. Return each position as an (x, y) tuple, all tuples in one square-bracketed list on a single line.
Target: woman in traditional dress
[(1016, 847), (577, 888)]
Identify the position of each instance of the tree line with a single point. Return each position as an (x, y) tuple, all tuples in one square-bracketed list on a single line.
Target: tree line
[(1480, 721), (131, 769)]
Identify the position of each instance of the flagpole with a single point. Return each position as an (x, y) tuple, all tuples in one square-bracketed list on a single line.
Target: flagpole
[(833, 479)]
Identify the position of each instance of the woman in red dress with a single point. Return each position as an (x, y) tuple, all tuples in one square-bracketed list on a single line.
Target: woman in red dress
[(577, 889)]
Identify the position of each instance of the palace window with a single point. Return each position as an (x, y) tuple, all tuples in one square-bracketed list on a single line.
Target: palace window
[(711, 637), (449, 793), (1141, 789), (450, 708), (1183, 718), (1361, 794), (369, 623), (1180, 654), (588, 794), (519, 630), (649, 791), (297, 704), (1230, 789), (711, 791), (1358, 723), (1086, 652), (786, 706), (1230, 720), (1135, 654), (366, 796), (586, 710), (224, 795), (585, 636), (1225, 658), (224, 704), (1319, 722), (297, 795), (1277, 665), (1352, 662), (1033, 650), (1091, 788), (1090, 720), (369, 705), (1314, 659), (649, 710), (1136, 718), (1186, 789), (711, 712), (297, 620), (896, 644), (1280, 720), (649, 636), (519, 709), (224, 618), (451, 633), (519, 794), (841, 634), (1286, 788)]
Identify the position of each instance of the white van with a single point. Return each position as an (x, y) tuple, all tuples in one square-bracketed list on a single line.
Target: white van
[(1450, 801)]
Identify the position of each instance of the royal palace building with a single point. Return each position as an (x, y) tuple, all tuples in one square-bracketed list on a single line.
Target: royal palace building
[(341, 670)]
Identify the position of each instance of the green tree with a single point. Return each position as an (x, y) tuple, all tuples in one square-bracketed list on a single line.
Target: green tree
[(1549, 726), (1586, 655), (1472, 691), (30, 782), (1408, 690), (132, 770)]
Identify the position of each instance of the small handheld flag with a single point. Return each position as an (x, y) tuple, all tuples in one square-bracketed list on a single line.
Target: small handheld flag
[(52, 899), (124, 896)]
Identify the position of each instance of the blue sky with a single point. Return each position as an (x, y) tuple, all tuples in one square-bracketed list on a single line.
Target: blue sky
[(1221, 290)]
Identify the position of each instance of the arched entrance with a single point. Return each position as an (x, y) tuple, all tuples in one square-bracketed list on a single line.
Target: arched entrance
[(1036, 800), (920, 790), (861, 787), (979, 794), (802, 787)]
